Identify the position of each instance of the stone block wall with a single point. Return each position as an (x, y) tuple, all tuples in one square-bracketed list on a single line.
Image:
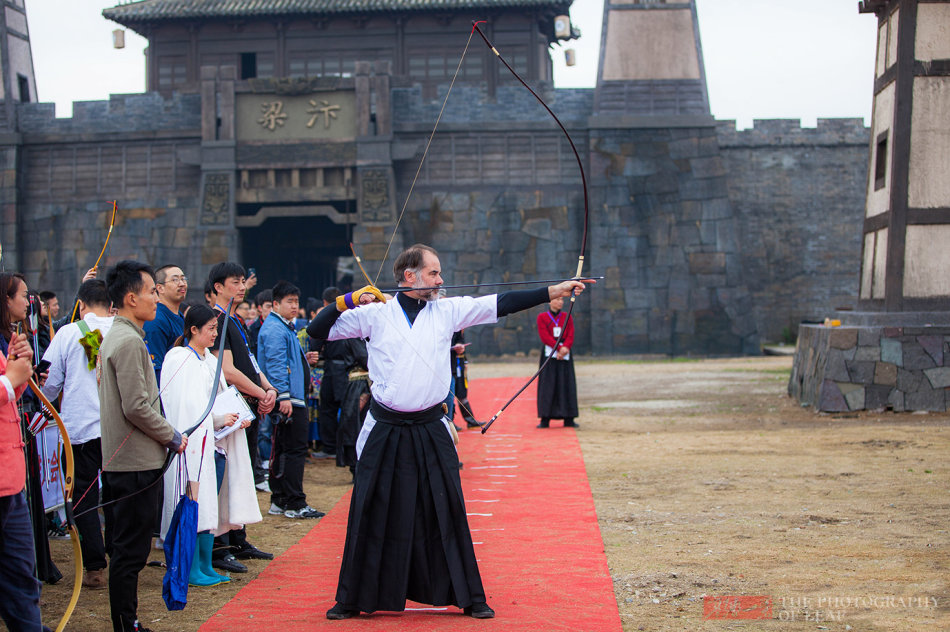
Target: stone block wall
[(122, 113), (666, 238), (798, 194), (141, 150), (708, 237), (840, 369)]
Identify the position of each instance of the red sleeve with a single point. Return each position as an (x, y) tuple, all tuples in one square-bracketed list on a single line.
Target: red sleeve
[(568, 340), (545, 329)]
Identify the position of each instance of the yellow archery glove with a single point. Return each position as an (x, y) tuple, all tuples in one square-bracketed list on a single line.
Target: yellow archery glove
[(352, 299)]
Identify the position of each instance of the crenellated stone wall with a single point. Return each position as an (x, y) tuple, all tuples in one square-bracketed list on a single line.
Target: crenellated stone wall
[(798, 194), (710, 238)]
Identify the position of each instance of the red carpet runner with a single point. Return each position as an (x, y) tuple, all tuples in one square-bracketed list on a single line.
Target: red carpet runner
[(532, 517)]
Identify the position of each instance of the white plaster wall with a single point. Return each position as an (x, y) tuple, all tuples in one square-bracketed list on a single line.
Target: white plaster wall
[(892, 38), (929, 182), (933, 32), (21, 63), (881, 64), (16, 21), (655, 44), (867, 266), (882, 120), (880, 263), (927, 261)]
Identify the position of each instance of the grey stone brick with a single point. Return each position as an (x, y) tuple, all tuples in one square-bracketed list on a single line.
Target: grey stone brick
[(926, 398), (892, 351), (933, 345), (908, 381), (896, 401), (867, 353), (877, 396), (861, 372), (853, 395), (830, 398), (915, 358), (939, 377)]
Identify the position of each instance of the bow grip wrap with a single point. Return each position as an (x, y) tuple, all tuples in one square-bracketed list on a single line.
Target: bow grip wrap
[(352, 299)]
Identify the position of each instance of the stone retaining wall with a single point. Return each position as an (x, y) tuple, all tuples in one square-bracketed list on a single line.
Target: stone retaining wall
[(840, 369)]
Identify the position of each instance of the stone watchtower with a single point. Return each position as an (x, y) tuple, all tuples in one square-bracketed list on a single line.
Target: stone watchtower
[(894, 352), (669, 242), (18, 86), (651, 60)]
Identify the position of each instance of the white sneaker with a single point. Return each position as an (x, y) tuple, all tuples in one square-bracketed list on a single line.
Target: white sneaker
[(263, 487), (304, 512), (275, 510)]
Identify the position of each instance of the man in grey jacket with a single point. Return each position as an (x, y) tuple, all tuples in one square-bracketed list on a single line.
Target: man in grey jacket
[(135, 437)]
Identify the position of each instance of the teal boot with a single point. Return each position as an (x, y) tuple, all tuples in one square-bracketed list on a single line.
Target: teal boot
[(196, 577), (205, 544)]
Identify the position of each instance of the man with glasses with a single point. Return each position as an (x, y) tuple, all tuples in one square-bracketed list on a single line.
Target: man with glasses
[(169, 323)]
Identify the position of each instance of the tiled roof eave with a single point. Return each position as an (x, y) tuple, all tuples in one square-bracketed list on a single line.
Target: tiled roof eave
[(129, 15)]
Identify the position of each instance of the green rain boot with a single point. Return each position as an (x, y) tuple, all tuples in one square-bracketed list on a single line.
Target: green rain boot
[(205, 545)]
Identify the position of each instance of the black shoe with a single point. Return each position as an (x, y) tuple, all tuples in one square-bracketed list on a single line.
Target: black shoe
[(229, 563), (338, 612), (251, 552), (471, 422), (458, 428), (571, 424), (543, 424), (479, 611)]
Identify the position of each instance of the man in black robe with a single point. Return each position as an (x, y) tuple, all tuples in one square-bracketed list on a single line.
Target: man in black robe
[(407, 532)]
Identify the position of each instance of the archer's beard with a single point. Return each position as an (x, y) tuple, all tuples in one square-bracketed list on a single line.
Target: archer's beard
[(427, 295)]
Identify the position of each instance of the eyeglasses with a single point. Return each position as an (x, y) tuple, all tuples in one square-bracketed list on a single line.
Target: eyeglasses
[(177, 280)]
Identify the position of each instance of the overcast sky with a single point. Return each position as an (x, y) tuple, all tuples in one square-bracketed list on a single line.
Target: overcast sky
[(764, 58)]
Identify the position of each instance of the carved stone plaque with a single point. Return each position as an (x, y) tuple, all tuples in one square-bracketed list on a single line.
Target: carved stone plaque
[(376, 195), (216, 199)]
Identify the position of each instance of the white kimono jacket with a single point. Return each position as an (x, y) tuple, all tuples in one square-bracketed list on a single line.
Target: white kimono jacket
[(410, 366), (185, 391)]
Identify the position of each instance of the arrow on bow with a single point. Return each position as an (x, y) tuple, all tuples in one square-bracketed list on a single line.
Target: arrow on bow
[(580, 257), (580, 165)]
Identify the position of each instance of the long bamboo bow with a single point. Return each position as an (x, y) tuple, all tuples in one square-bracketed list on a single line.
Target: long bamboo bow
[(99, 258), (49, 411)]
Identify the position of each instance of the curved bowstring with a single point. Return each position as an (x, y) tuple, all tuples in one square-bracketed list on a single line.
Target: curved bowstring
[(170, 454), (580, 165), (580, 258), (425, 153)]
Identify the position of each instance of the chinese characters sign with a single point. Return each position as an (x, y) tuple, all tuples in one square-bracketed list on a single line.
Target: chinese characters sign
[(324, 116)]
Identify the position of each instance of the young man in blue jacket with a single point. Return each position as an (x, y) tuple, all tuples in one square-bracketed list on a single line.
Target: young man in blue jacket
[(283, 362)]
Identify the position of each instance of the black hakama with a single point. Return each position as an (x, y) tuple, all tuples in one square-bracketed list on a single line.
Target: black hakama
[(557, 390), (407, 534)]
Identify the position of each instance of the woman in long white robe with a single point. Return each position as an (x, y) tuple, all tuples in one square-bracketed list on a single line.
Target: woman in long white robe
[(187, 380)]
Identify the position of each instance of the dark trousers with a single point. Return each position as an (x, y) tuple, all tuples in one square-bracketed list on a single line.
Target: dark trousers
[(287, 460), (129, 526), (20, 604), (253, 451), (87, 459), (328, 418)]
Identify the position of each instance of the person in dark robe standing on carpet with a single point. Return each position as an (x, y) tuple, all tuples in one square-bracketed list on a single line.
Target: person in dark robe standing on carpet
[(557, 388), (407, 534)]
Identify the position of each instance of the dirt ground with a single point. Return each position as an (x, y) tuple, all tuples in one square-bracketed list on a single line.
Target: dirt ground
[(708, 482)]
